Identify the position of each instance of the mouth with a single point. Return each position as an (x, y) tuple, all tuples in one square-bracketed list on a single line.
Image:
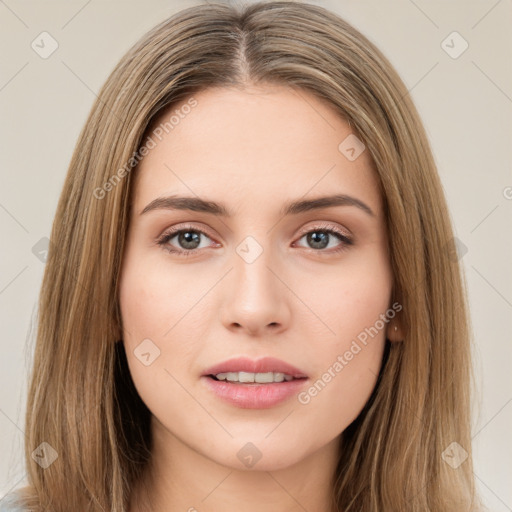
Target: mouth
[(261, 371), (254, 378), (254, 384)]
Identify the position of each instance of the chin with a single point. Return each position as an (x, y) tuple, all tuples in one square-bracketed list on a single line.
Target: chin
[(259, 455)]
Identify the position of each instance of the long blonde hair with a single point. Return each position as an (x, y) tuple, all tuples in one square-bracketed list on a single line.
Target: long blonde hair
[(81, 399)]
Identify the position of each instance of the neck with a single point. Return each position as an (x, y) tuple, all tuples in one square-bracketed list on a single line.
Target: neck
[(181, 479)]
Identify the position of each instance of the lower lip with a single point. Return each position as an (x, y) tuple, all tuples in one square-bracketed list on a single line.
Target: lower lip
[(254, 395)]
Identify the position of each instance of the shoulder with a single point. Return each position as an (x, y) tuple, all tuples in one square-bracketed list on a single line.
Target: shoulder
[(10, 503)]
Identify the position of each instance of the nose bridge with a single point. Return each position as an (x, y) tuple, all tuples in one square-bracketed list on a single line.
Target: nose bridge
[(252, 264), (256, 298)]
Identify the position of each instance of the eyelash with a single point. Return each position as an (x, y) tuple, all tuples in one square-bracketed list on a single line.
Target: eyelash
[(168, 235)]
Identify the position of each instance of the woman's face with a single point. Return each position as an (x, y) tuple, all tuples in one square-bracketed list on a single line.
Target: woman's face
[(268, 273)]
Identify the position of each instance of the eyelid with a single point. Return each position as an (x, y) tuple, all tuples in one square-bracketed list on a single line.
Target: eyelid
[(174, 230), (344, 235), (321, 225), (305, 230)]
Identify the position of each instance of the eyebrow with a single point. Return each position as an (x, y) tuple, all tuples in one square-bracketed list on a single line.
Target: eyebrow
[(197, 204)]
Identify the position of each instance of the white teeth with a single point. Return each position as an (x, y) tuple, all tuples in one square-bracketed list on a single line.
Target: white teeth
[(261, 378)]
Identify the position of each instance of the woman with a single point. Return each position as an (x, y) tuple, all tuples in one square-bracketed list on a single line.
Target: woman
[(251, 298)]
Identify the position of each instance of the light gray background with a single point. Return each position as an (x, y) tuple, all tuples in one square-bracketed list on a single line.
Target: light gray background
[(466, 105)]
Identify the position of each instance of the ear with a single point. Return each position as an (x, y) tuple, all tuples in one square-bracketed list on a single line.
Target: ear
[(395, 331)]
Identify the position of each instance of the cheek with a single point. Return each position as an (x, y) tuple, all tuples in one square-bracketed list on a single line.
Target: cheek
[(346, 367), (162, 314), (351, 298), (355, 303), (337, 396), (142, 305), (333, 333), (155, 299)]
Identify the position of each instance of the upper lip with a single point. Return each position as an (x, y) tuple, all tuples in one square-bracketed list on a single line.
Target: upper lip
[(262, 365)]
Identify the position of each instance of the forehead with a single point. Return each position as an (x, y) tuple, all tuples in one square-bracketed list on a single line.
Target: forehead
[(253, 144)]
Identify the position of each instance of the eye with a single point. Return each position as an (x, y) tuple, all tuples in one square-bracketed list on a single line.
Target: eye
[(188, 240), (321, 237)]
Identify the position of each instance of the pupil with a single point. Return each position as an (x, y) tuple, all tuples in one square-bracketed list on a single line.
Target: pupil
[(318, 239), (189, 239)]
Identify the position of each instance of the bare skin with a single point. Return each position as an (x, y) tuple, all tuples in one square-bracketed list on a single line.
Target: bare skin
[(299, 301)]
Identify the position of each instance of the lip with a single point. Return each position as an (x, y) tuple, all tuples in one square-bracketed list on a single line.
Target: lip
[(254, 395), (262, 365)]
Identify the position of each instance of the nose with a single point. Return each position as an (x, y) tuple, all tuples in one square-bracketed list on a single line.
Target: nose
[(256, 297)]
